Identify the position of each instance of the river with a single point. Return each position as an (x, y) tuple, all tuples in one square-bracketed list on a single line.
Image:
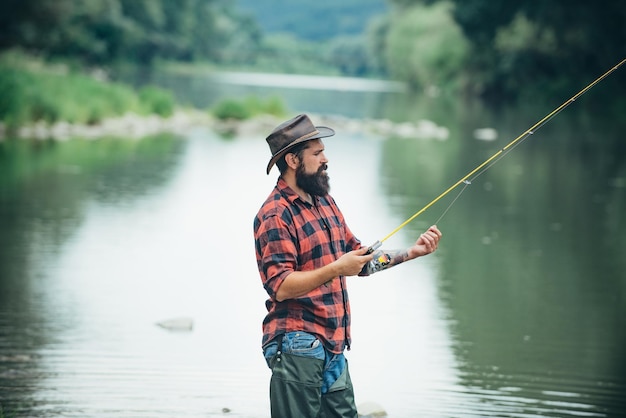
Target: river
[(520, 313)]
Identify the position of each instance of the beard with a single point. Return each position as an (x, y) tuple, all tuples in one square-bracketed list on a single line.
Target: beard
[(316, 184)]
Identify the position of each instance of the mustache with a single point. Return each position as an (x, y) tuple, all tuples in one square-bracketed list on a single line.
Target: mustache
[(322, 168)]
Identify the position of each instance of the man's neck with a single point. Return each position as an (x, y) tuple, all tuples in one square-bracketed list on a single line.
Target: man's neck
[(291, 182)]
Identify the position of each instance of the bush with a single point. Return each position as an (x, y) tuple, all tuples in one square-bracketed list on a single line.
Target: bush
[(30, 91), (156, 100), (30, 97), (13, 107), (231, 109), (248, 107)]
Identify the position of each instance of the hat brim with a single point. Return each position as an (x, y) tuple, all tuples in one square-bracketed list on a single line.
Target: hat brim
[(323, 132)]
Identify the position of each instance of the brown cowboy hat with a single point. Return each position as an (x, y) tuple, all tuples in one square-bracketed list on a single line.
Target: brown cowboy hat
[(293, 132)]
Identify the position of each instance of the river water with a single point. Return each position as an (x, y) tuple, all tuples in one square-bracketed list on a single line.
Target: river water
[(520, 313)]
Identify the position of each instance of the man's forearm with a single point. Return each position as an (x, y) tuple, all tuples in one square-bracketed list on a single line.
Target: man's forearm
[(384, 259), (299, 283)]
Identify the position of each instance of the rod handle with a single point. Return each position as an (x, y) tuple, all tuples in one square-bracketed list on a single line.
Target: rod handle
[(374, 247)]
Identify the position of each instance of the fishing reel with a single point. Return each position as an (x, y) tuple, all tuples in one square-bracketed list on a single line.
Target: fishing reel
[(381, 259)]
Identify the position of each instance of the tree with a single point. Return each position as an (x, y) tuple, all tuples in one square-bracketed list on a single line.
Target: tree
[(29, 22), (102, 31), (527, 46), (425, 47)]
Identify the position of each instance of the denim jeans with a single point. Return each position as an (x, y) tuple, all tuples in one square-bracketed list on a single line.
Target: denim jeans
[(307, 345), (307, 380)]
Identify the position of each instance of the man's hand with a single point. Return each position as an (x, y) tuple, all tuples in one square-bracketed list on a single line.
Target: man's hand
[(299, 283), (351, 264), (426, 243)]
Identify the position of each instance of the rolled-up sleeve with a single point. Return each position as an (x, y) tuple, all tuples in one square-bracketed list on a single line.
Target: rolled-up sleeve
[(276, 249)]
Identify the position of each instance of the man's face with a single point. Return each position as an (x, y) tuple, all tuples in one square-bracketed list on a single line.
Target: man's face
[(311, 173)]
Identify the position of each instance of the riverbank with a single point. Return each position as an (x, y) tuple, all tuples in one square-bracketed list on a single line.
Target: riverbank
[(135, 126), (130, 125), (45, 101)]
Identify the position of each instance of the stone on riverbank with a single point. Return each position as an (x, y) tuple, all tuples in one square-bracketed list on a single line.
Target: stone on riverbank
[(136, 126), (128, 126)]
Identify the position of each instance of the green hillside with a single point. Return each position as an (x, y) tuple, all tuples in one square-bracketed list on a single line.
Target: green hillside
[(314, 20)]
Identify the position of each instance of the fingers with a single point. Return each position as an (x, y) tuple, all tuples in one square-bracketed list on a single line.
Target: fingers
[(430, 239), (433, 233), (435, 230), (362, 254), (352, 263)]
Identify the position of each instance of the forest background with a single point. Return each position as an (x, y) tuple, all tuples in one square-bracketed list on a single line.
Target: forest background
[(501, 52)]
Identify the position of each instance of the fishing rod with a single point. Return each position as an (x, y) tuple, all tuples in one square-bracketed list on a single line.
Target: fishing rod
[(491, 160)]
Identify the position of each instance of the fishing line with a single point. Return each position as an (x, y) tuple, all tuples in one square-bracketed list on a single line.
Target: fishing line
[(470, 181), (467, 183), (489, 162)]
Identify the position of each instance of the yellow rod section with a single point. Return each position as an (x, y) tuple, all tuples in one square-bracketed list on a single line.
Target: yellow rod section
[(530, 131)]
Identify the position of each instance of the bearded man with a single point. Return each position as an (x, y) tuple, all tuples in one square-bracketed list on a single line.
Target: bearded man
[(305, 251)]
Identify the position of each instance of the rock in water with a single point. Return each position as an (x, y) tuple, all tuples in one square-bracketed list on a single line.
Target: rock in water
[(371, 410), (177, 324), (486, 134)]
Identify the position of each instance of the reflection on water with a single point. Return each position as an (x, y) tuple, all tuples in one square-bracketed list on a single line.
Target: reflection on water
[(518, 314), (534, 276), (95, 257)]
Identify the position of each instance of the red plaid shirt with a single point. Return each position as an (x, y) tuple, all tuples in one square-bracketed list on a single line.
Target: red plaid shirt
[(293, 235)]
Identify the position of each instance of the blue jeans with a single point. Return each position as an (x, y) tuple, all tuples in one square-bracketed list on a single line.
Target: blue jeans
[(303, 344)]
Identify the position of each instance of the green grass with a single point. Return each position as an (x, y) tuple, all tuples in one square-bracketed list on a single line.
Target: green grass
[(31, 91)]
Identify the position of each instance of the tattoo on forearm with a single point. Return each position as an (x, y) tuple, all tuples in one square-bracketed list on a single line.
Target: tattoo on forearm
[(385, 259), (401, 257)]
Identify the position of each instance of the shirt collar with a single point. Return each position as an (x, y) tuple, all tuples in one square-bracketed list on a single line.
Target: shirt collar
[(290, 194)]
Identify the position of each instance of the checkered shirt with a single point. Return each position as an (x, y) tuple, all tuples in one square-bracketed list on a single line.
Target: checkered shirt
[(293, 235)]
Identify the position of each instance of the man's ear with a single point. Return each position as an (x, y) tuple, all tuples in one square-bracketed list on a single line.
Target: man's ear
[(292, 160)]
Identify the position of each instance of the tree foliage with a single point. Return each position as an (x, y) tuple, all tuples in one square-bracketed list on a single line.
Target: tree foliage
[(519, 45), (104, 31), (498, 49), (425, 47), (318, 20), (558, 45)]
